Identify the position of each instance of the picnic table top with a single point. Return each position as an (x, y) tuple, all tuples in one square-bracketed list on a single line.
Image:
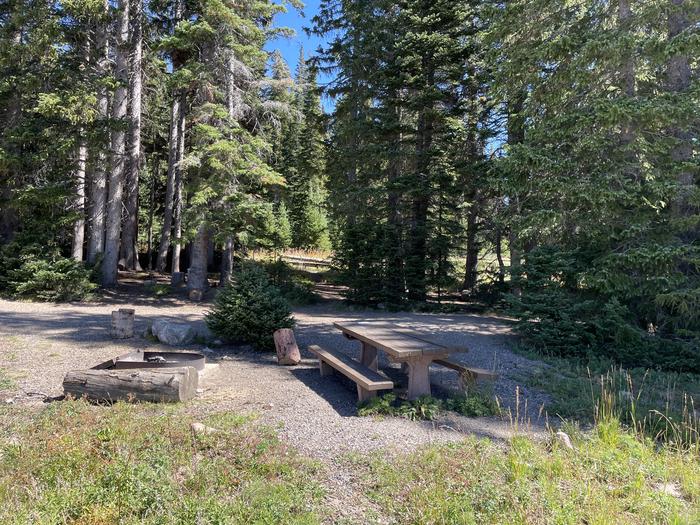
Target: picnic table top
[(397, 341)]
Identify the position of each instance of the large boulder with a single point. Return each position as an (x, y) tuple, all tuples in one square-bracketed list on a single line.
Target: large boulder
[(173, 333)]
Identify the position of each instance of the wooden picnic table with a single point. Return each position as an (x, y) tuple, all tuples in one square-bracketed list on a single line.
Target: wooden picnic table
[(402, 345)]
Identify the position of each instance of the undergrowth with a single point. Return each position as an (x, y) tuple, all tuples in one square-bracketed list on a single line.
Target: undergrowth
[(428, 407), (141, 464), (658, 404)]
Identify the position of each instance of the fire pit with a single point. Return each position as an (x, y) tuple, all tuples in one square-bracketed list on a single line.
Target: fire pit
[(148, 359), (139, 376)]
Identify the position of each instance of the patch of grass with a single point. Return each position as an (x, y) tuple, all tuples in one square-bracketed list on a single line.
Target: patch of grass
[(76, 463), (662, 405), (429, 408), (6, 382), (160, 289), (609, 477)]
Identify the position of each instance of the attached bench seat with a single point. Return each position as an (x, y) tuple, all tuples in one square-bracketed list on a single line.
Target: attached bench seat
[(368, 381), (467, 375)]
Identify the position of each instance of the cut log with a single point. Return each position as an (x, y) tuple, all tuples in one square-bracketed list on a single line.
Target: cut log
[(169, 385), (123, 323), (286, 346)]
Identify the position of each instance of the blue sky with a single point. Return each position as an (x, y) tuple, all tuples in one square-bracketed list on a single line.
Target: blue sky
[(289, 47)]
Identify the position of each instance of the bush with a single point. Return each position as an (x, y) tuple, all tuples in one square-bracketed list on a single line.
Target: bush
[(250, 309), (296, 288), (559, 316), (26, 272), (429, 408)]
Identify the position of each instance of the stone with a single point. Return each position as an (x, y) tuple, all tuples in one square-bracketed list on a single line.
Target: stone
[(9, 401), (195, 295), (286, 346), (173, 333), (670, 489), (123, 323), (177, 278), (564, 440), (199, 428)]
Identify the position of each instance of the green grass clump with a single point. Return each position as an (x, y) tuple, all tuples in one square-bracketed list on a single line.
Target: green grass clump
[(6, 382), (609, 477), (141, 464), (429, 408), (657, 404)]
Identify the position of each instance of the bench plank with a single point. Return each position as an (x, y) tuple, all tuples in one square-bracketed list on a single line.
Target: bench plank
[(474, 373), (359, 373)]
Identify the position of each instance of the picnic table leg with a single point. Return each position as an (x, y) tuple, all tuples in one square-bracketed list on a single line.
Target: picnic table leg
[(418, 377), (368, 356)]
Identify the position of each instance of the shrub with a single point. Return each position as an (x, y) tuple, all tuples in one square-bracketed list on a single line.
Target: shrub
[(250, 309), (429, 408), (296, 288), (29, 272), (558, 315)]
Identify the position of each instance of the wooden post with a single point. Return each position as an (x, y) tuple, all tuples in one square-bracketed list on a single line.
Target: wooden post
[(123, 323), (418, 377), (368, 356), (155, 385), (286, 346)]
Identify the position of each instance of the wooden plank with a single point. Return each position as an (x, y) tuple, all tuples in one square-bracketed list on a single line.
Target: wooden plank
[(397, 342), (476, 373), (360, 374)]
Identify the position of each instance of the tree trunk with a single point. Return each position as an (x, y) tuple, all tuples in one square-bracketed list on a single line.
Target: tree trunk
[(177, 229), (170, 184), (79, 199), (470, 274), (197, 273), (116, 177), (516, 135), (151, 210), (98, 179), (499, 257), (130, 229), (227, 261), (678, 76)]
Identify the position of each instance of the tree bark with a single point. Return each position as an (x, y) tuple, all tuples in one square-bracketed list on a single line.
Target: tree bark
[(130, 228), (79, 199), (177, 227), (116, 178), (197, 273), (227, 261), (151, 210), (98, 179), (170, 184)]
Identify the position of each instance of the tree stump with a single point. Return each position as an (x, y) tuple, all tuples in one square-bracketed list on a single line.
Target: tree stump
[(123, 323), (286, 346), (169, 385)]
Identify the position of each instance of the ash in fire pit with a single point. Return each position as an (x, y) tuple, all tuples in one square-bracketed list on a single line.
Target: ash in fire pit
[(140, 359)]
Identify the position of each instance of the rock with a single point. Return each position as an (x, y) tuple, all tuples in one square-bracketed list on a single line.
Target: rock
[(123, 323), (195, 295), (199, 428), (671, 489), (286, 346), (172, 333), (9, 401), (564, 440)]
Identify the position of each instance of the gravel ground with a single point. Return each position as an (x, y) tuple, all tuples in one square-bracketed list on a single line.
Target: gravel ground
[(40, 342)]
